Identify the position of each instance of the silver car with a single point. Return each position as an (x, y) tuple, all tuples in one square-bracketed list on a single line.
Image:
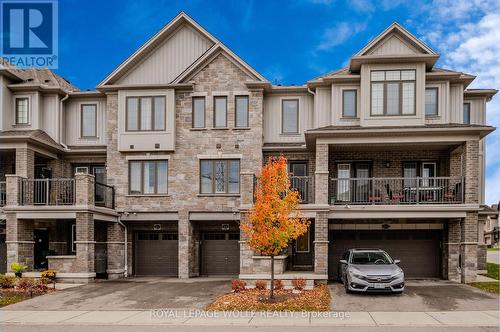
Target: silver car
[(365, 270)]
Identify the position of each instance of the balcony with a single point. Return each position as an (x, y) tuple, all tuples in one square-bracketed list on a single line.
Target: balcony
[(396, 191), (304, 185), (47, 192), (104, 195)]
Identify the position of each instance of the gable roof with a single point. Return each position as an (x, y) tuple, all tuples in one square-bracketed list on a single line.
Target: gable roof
[(146, 49)]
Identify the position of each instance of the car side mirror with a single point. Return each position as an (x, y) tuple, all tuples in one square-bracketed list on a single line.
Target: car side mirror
[(343, 261), (397, 261)]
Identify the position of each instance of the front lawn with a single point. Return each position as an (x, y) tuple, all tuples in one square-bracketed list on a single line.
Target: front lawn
[(11, 298), (317, 299), (493, 249), (492, 287), (493, 270)]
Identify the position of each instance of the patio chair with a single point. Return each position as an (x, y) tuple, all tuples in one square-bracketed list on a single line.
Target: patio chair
[(391, 195), (377, 198)]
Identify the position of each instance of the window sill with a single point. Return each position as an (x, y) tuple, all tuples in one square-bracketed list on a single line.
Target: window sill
[(147, 195), (198, 129), (289, 134), (432, 116), (222, 128), (349, 118), (242, 128), (21, 125), (218, 195)]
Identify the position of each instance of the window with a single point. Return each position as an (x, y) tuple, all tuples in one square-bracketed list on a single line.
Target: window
[(392, 92), (148, 177), (290, 116), (241, 113), (349, 103), (88, 120), (431, 101), (198, 112), (145, 113), (219, 176), (425, 170), (22, 111), (343, 184), (466, 113), (220, 112)]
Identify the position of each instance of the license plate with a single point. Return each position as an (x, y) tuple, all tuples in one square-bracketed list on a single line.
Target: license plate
[(378, 286)]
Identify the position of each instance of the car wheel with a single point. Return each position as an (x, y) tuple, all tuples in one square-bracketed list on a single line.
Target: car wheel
[(346, 286)]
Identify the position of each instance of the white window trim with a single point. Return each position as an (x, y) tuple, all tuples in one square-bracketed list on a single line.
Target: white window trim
[(438, 99), (299, 126), (30, 107), (149, 157), (97, 124)]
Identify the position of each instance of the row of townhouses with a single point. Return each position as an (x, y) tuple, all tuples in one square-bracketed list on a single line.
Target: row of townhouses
[(151, 173)]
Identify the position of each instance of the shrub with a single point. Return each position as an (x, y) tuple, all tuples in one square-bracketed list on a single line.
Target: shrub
[(45, 281), (278, 284), (49, 274), (18, 268), (299, 283), (238, 285), (260, 284), (6, 281), (26, 283)]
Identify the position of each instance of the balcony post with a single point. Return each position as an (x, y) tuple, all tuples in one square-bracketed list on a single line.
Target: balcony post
[(321, 175), (84, 189), (471, 172), (25, 162), (12, 189)]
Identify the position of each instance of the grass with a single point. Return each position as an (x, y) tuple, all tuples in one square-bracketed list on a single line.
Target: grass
[(493, 249), (317, 299), (491, 287), (7, 299), (493, 270)]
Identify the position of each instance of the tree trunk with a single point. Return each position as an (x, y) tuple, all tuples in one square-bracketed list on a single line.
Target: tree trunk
[(272, 278)]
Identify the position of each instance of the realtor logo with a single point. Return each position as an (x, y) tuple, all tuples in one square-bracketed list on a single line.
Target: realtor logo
[(29, 32)]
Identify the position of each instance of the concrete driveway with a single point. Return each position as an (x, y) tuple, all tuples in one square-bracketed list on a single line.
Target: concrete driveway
[(418, 296), (132, 293)]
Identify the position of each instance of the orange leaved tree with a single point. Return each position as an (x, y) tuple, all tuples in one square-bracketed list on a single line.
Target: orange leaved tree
[(273, 221)]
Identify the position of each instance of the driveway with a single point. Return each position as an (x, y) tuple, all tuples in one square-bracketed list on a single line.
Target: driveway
[(132, 293), (418, 296)]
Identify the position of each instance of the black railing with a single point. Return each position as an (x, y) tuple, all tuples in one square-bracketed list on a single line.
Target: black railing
[(304, 185), (47, 192), (104, 195)]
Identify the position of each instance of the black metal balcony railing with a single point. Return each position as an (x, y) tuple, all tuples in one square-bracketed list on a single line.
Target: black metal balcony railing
[(47, 192), (3, 193), (382, 191), (303, 184), (104, 195)]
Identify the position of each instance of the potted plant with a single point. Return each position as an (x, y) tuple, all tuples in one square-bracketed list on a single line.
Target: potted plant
[(18, 269)]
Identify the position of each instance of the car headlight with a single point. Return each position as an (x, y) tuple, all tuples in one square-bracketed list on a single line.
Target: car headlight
[(398, 275), (355, 275)]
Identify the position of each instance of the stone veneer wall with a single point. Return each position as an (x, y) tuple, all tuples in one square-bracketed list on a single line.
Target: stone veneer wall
[(220, 76)]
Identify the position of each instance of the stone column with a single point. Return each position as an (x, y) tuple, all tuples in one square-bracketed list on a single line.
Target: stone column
[(116, 251), (468, 248), (247, 186), (452, 251), (246, 253), (470, 165), (19, 240), (84, 189), (85, 243), (321, 175), (13, 189), (185, 245), (321, 243), (481, 246), (25, 162)]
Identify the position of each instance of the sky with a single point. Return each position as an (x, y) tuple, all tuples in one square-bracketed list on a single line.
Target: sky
[(290, 42)]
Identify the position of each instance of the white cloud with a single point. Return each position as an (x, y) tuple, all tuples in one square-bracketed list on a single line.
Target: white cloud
[(339, 33), (362, 5)]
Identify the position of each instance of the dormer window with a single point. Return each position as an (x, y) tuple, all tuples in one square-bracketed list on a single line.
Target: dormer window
[(392, 92)]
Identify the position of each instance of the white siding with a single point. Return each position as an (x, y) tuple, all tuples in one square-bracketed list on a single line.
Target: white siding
[(393, 45), (336, 110), (322, 107), (456, 103), (50, 115), (170, 59), (272, 117), (72, 120)]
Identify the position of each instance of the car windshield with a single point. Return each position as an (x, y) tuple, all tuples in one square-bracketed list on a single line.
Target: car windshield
[(370, 257)]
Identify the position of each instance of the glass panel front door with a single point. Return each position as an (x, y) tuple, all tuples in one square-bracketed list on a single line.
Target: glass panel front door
[(343, 185), (362, 184)]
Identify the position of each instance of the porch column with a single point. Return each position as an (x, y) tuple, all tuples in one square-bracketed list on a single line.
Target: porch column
[(25, 162), (85, 243), (185, 245), (468, 248), (321, 243), (19, 240), (84, 189), (246, 254), (116, 251), (470, 169), (321, 175), (12, 189), (452, 251), (247, 182)]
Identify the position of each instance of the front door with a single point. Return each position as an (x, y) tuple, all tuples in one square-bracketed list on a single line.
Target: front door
[(303, 251), (100, 177), (41, 248), (362, 183)]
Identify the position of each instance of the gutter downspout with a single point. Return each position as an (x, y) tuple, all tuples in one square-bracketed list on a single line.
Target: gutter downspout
[(125, 245), (60, 120)]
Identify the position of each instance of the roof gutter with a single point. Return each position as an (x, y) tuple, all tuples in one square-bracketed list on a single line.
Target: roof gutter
[(61, 104)]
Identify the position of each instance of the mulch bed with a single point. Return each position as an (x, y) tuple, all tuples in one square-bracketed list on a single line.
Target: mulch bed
[(317, 299), (11, 295)]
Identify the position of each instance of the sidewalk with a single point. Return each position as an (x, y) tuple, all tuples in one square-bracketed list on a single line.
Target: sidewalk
[(249, 319)]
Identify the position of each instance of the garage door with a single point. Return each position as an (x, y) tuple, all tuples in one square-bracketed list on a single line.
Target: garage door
[(220, 254), (156, 254), (418, 250)]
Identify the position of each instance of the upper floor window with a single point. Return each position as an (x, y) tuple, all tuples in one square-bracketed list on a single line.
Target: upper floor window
[(393, 92), (198, 112), (148, 177), (145, 113), (466, 113), (241, 112), (220, 176), (22, 111), (88, 120), (290, 116), (431, 101), (220, 112), (349, 103)]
